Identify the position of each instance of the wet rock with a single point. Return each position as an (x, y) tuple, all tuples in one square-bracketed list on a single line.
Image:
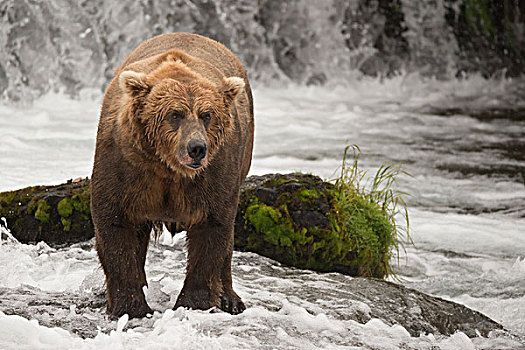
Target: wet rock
[(489, 35), (365, 299), (419, 313), (375, 32), (54, 214), (289, 218), (77, 313)]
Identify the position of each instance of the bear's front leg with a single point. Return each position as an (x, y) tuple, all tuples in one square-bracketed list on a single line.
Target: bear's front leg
[(207, 284), (230, 301), (122, 249)]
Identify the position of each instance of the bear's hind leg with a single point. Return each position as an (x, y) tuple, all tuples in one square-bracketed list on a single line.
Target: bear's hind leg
[(122, 252)]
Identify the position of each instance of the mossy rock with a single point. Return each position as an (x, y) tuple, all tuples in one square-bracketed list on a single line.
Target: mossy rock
[(296, 220), (54, 214)]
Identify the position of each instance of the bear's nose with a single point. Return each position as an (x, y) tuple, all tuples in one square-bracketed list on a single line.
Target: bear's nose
[(196, 150)]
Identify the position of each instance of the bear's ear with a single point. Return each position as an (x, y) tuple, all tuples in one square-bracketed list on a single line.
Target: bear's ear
[(231, 87), (134, 83)]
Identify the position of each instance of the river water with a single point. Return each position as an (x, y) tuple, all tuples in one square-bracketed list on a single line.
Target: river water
[(462, 142)]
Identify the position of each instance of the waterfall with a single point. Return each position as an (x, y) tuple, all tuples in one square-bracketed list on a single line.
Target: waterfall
[(69, 45)]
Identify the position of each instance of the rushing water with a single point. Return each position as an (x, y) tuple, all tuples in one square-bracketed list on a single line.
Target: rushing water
[(462, 142), (64, 44)]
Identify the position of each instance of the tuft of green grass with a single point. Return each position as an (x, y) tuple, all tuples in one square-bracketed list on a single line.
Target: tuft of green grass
[(353, 224), (367, 211)]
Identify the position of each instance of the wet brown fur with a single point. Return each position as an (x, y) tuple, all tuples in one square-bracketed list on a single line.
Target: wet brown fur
[(139, 175)]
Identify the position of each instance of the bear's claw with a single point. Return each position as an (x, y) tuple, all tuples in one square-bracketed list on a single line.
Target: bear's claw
[(232, 303)]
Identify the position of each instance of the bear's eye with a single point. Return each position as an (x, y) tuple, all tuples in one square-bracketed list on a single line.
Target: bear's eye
[(206, 116), (175, 115)]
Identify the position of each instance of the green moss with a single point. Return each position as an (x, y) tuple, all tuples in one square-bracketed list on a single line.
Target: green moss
[(65, 207), (308, 195), (276, 228), (42, 213), (66, 223), (31, 208), (276, 235), (278, 181), (12, 201), (74, 207), (81, 202), (7, 198)]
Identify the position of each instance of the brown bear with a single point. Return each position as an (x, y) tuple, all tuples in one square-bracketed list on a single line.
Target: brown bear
[(174, 145)]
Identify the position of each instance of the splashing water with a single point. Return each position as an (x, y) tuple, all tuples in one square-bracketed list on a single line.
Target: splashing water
[(302, 41), (467, 220)]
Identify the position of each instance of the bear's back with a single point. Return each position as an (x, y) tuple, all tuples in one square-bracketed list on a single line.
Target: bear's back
[(208, 51)]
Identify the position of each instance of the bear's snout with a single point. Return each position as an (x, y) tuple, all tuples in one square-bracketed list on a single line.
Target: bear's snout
[(196, 150)]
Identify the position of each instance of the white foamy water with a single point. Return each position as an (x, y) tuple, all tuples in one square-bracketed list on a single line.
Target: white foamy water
[(467, 218)]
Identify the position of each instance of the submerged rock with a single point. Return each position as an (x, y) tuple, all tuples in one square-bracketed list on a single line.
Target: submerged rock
[(417, 312), (365, 301), (77, 313)]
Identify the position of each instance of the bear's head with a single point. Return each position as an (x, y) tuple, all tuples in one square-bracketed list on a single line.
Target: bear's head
[(179, 115)]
